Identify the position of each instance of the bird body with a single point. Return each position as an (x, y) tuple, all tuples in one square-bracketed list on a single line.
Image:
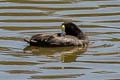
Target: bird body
[(69, 38)]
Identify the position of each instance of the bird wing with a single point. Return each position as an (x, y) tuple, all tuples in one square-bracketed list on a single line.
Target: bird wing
[(54, 40), (42, 38), (65, 41)]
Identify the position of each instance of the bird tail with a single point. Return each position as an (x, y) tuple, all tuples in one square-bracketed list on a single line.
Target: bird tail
[(27, 40)]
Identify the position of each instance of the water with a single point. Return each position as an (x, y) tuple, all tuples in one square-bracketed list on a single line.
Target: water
[(19, 19)]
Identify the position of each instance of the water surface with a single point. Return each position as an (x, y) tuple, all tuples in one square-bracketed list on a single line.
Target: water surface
[(19, 19)]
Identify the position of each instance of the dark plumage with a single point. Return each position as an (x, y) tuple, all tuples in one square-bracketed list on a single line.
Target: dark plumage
[(71, 36)]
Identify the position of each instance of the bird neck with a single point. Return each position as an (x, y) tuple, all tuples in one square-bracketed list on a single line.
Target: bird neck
[(63, 34)]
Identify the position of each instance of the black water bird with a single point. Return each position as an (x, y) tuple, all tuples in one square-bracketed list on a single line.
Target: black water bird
[(71, 36)]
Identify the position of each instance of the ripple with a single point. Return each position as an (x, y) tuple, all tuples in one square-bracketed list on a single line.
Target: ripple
[(112, 21), (64, 68), (4, 49), (19, 11), (21, 72), (36, 21), (57, 76), (21, 28), (23, 14), (92, 15), (49, 8), (104, 6), (101, 54), (102, 46), (104, 72), (38, 2), (101, 62), (113, 39), (17, 63), (11, 38)]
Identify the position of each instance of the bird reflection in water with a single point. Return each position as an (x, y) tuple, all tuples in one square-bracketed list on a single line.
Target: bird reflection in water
[(68, 54)]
